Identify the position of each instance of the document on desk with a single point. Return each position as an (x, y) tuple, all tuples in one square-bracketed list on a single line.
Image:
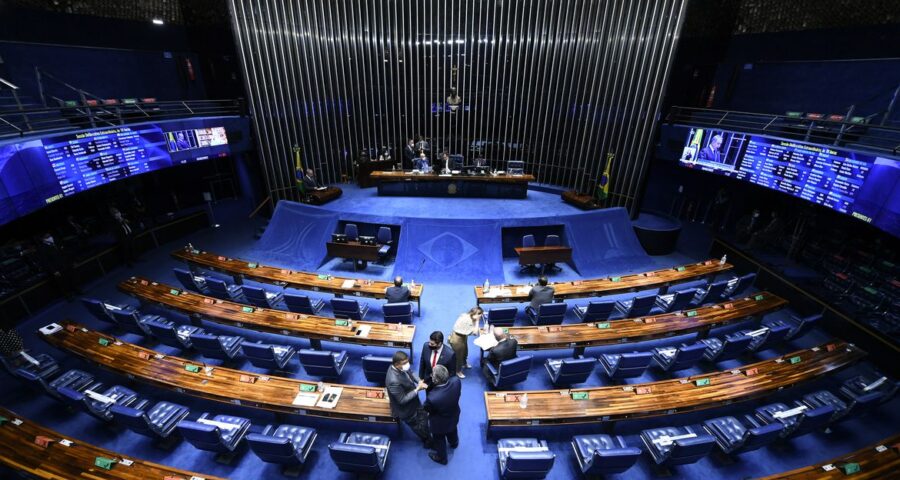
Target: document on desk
[(330, 397), (498, 292), (348, 283), (306, 399), (486, 341), (523, 290), (321, 188), (363, 331)]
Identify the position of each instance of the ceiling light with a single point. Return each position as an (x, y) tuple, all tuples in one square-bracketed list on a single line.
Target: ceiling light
[(158, 21)]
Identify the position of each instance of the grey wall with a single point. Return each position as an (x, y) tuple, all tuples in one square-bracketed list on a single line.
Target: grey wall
[(555, 83)]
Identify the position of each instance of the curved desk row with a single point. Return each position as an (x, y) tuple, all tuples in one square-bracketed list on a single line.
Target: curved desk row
[(312, 327), (278, 394), (240, 269), (878, 461), (667, 397), (597, 287), (39, 452)]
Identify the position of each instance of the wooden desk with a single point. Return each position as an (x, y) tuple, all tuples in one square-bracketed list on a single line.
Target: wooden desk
[(667, 397), (221, 384), (584, 202), (321, 197), (353, 251), (454, 185), (612, 285), (544, 255), (240, 269), (872, 464), (19, 451), (313, 327), (365, 169)]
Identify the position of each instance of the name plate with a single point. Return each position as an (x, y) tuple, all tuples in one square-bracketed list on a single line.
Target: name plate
[(615, 279), (580, 395), (252, 265), (759, 297), (795, 359), (192, 368), (307, 388), (104, 463), (103, 341), (603, 325), (247, 309), (643, 390), (248, 379), (850, 468), (692, 313), (341, 323), (374, 394), (680, 269), (174, 291), (701, 382), (144, 355)]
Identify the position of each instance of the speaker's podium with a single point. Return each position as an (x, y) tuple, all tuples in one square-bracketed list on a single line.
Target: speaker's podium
[(323, 195), (581, 200)]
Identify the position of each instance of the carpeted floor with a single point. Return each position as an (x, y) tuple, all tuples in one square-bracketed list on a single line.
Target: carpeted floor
[(448, 292)]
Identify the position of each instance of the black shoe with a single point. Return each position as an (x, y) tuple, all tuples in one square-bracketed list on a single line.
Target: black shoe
[(437, 459), (454, 445)]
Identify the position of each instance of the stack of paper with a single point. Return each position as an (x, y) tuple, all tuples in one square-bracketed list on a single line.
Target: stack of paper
[(363, 331), (348, 284), (486, 341), (306, 399)]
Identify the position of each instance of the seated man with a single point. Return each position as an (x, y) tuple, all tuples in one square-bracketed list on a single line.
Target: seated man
[(540, 293), (399, 293), (421, 162), (310, 180), (507, 348)]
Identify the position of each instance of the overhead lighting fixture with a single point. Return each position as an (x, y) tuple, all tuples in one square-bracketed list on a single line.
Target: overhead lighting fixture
[(158, 21)]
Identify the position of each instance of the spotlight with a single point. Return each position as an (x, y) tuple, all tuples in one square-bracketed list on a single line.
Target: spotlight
[(158, 21)]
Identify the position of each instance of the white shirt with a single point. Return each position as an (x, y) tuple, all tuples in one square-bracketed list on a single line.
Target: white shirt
[(465, 325), (436, 355)]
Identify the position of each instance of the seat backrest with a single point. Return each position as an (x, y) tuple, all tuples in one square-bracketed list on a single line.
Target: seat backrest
[(186, 278), (642, 305), (814, 419), (132, 418), (71, 397), (375, 368), (502, 315), (687, 356), (217, 287), (743, 283), (255, 293), (384, 235), (258, 351), (734, 346), (207, 343), (397, 312), (514, 370), (552, 309), (272, 449), (316, 358), (351, 231), (689, 450), (575, 366), (632, 364), (528, 241), (761, 436), (682, 299), (163, 331), (532, 464), (128, 319), (552, 241), (354, 458), (613, 460), (599, 311), (344, 305), (805, 325), (715, 291), (775, 335), (97, 309), (298, 303), (201, 435)]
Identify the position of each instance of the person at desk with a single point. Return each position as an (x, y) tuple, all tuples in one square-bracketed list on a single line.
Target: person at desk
[(403, 394), (507, 348), (421, 162), (310, 180), (466, 324), (540, 293), (442, 405), (443, 162), (434, 354), (399, 293)]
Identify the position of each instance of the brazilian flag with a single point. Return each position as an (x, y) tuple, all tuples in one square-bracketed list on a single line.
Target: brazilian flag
[(603, 183), (298, 171)]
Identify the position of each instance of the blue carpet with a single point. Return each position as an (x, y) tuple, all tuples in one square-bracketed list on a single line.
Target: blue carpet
[(445, 297)]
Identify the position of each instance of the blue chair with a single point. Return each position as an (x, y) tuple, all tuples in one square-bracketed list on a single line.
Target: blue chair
[(766, 337), (77, 380), (528, 242), (547, 314), (734, 437), (603, 454), (677, 446), (713, 293), (524, 458), (101, 310), (674, 302), (98, 403), (385, 239), (502, 317), (360, 453), (221, 434), (510, 372), (797, 420), (132, 321), (349, 308), (638, 306), (569, 371), (351, 232), (799, 325), (397, 312), (671, 359), (286, 445), (595, 311), (740, 285), (718, 350), (619, 366), (841, 408), (178, 336), (861, 385), (815, 419), (157, 422), (46, 366), (552, 241), (260, 297), (223, 347), (268, 356), (375, 368), (220, 289), (322, 363), (190, 281), (303, 304)]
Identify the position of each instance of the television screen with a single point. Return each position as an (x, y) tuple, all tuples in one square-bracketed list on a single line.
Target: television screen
[(862, 185)]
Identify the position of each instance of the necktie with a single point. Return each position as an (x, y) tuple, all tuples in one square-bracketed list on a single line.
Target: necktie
[(434, 358)]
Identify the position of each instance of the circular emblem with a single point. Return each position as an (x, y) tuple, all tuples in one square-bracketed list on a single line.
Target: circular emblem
[(451, 189)]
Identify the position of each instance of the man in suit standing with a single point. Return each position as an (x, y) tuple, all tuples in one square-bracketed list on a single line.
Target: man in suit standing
[(56, 262), (442, 405), (507, 348), (540, 294), (435, 353), (711, 152), (399, 293), (409, 154), (125, 233), (403, 393)]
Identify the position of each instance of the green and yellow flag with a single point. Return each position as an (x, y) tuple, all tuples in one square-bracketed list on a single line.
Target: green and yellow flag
[(298, 171), (603, 183)]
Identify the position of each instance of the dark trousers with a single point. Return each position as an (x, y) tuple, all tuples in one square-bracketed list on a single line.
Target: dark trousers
[(127, 250), (419, 425), (440, 443)]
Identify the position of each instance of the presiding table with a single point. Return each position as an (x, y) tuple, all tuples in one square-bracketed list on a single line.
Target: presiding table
[(359, 253), (544, 256), (408, 183), (365, 169)]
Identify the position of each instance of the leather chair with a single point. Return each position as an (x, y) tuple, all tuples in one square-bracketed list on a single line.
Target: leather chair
[(861, 385), (224, 347), (841, 408), (286, 445), (712, 294), (351, 232), (797, 420), (220, 289), (734, 437), (260, 297), (766, 337), (638, 306), (502, 317), (46, 366), (100, 311), (77, 380), (323, 363), (132, 321), (349, 308), (360, 453), (524, 458), (385, 239), (303, 304), (603, 454), (618, 366), (510, 372), (157, 422), (93, 403), (740, 285), (547, 314), (799, 325), (815, 419), (674, 302), (718, 350), (673, 359), (570, 371), (268, 356), (527, 242), (595, 311), (375, 368), (222, 437), (178, 336), (690, 447), (397, 312), (190, 281)]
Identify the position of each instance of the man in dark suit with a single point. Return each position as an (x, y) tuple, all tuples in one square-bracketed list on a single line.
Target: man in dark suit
[(398, 293), (309, 180), (442, 405), (711, 152), (56, 262), (125, 233), (409, 153), (540, 293), (403, 393), (507, 347), (435, 353)]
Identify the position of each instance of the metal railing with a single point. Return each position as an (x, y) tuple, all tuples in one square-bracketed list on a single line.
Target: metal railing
[(862, 134)]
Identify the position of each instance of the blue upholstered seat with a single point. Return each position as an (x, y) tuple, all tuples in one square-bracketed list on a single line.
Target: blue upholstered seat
[(375, 368), (625, 365), (224, 347), (734, 437), (102, 310), (595, 311), (672, 359), (168, 333), (524, 458), (287, 445), (637, 306), (261, 297), (602, 454), (46, 366), (712, 293), (220, 289), (194, 283), (349, 308), (739, 285), (351, 231), (766, 337), (674, 302), (385, 239), (799, 325), (132, 321), (77, 380), (157, 422), (552, 241), (797, 420), (222, 438), (360, 453), (732, 346), (99, 407), (547, 313), (303, 304), (665, 450), (570, 371), (861, 385), (528, 242), (397, 312), (510, 372), (323, 363), (502, 316), (266, 355)]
